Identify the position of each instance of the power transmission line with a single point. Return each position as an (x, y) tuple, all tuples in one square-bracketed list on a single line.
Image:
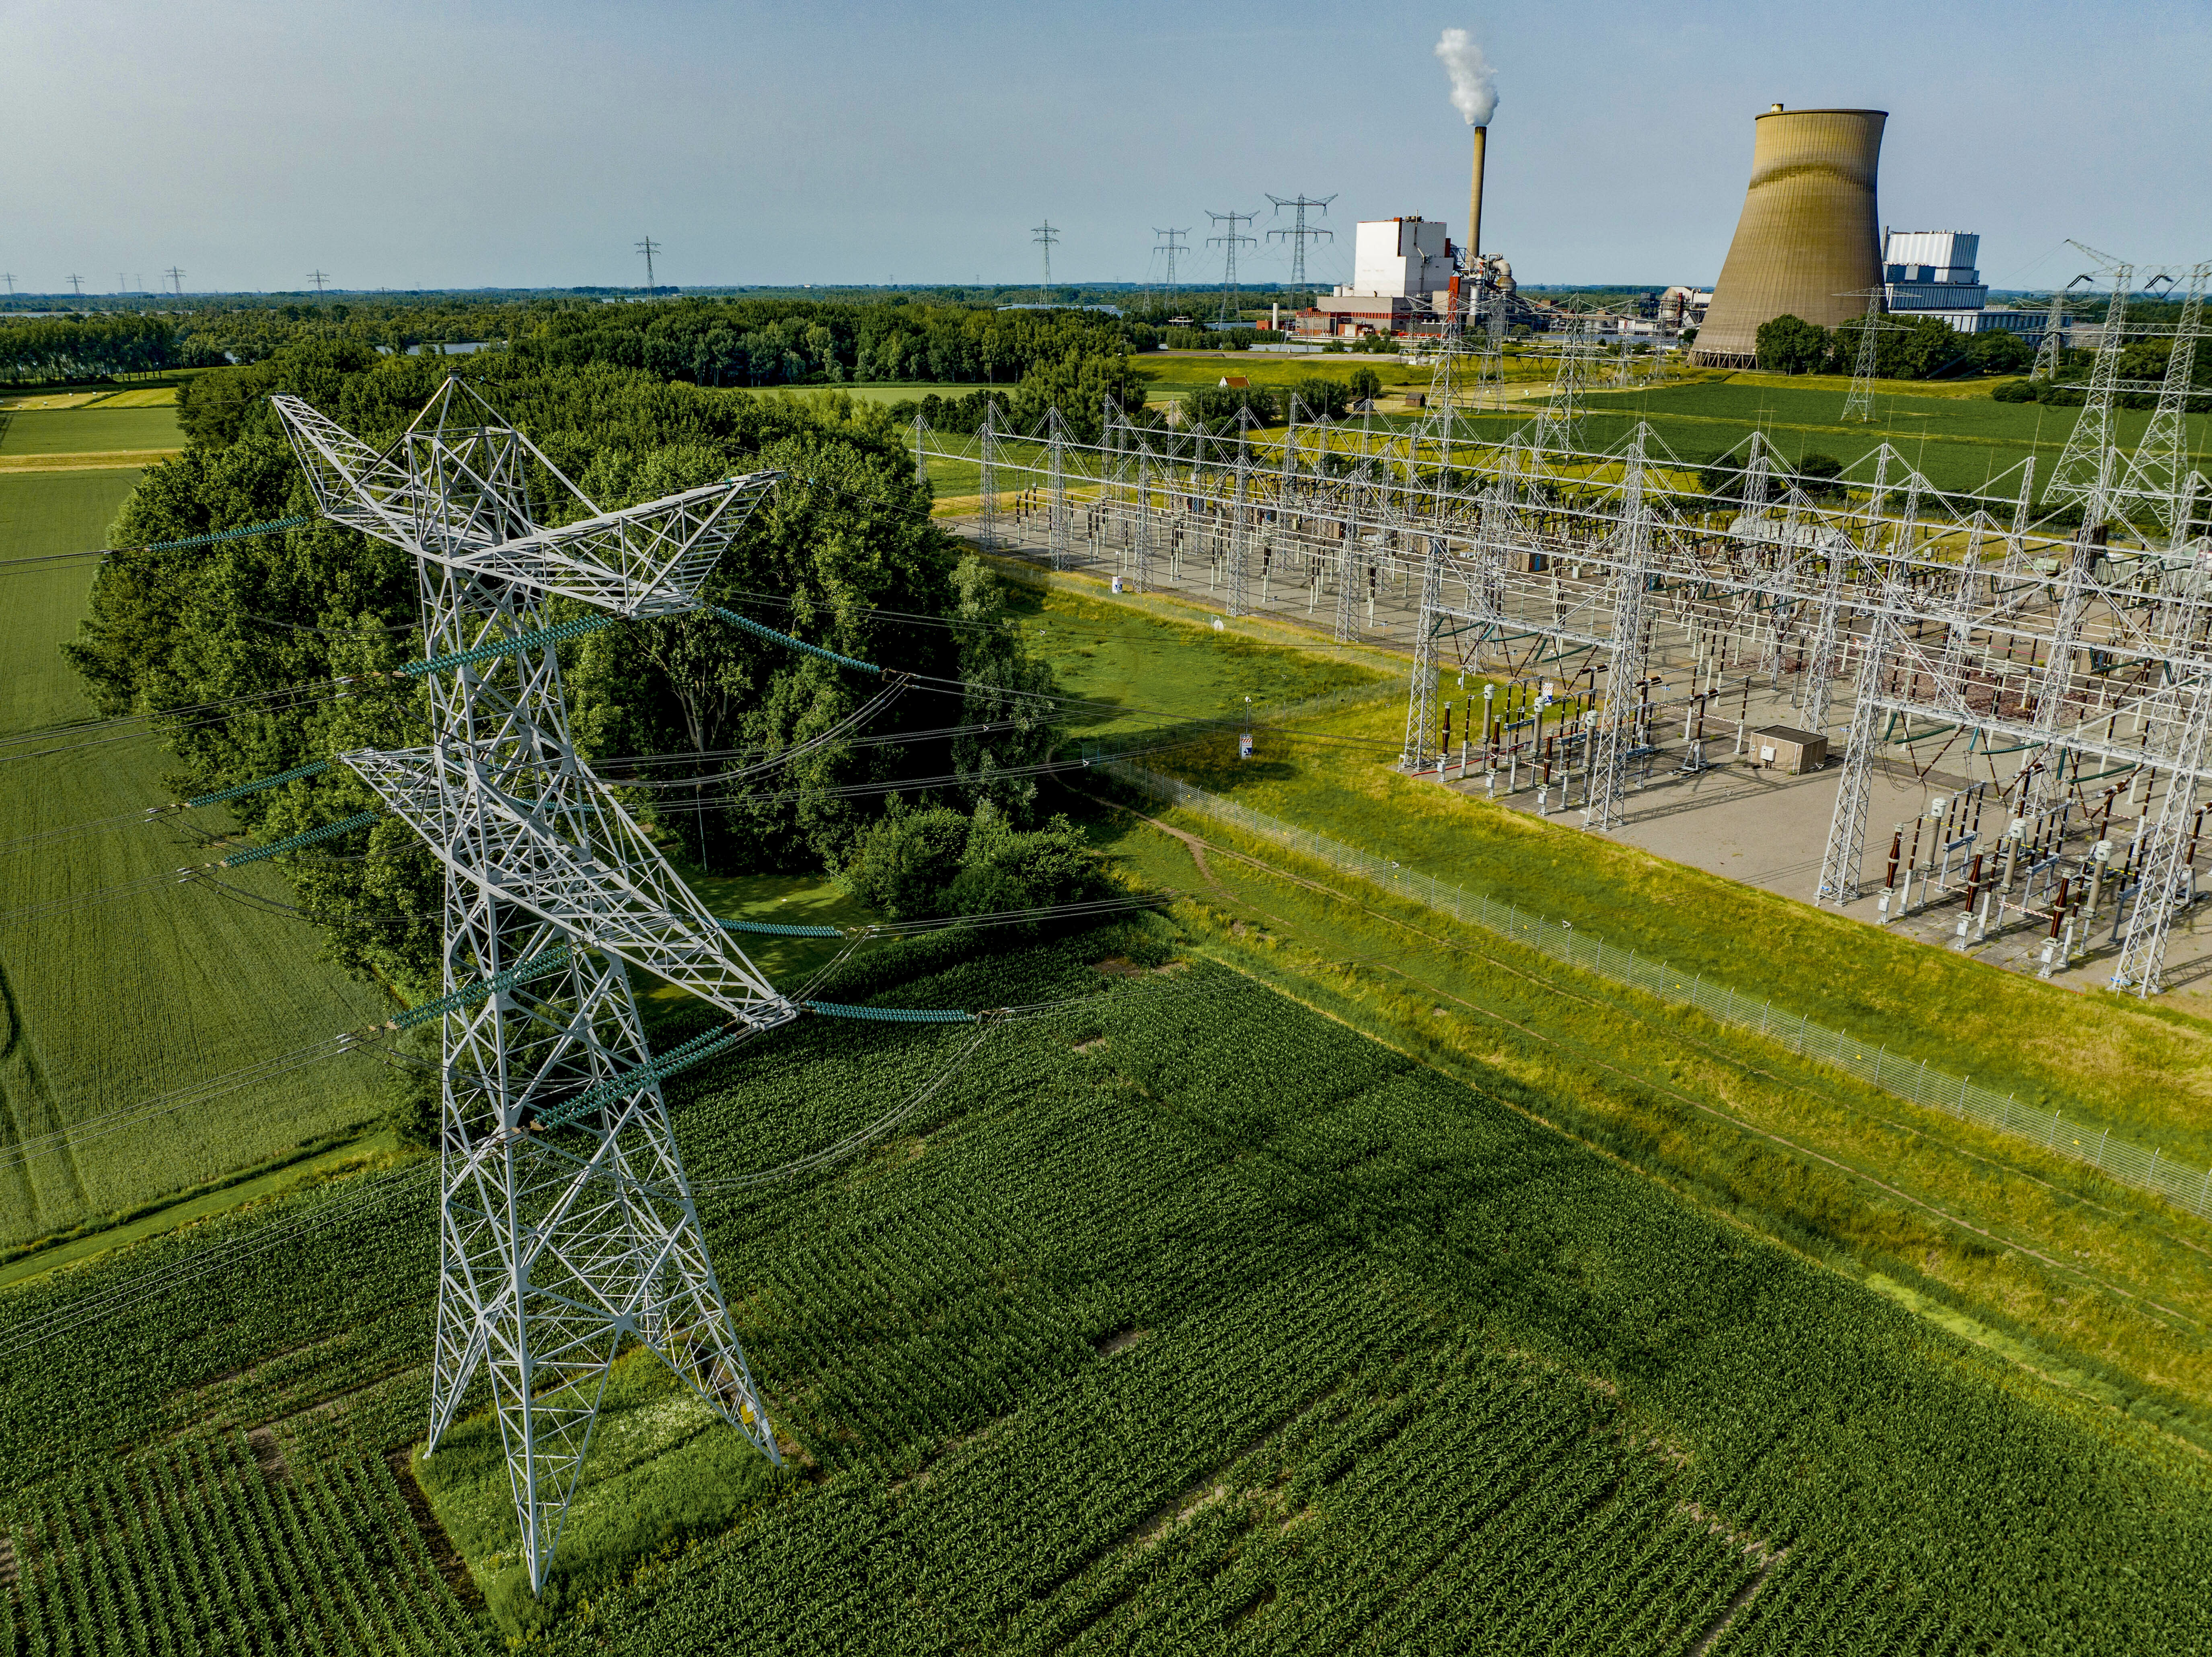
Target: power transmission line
[(8, 276), (1045, 236), (77, 282), (178, 277), (649, 247), (319, 278), (1229, 241), (1299, 233)]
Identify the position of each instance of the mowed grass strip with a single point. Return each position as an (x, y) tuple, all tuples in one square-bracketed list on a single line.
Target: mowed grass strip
[(97, 460), (143, 397), (91, 431), (113, 1003)]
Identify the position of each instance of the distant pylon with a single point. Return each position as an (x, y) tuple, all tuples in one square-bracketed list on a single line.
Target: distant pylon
[(1300, 233), (76, 283), (8, 276), (1230, 241), (649, 247), (1859, 405), (2054, 334), (1044, 236), (319, 278), (176, 277), (1171, 249)]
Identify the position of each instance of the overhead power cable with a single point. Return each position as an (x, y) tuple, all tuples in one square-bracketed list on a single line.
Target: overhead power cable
[(243, 532)]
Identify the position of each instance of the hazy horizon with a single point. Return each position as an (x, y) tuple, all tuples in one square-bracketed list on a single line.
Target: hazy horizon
[(491, 145)]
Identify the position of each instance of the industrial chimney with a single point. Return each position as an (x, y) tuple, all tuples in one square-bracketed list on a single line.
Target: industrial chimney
[(1809, 236), (1474, 197)]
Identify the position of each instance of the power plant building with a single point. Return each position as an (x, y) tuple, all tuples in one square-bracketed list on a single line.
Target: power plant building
[(1401, 269), (1930, 273), (1809, 242)]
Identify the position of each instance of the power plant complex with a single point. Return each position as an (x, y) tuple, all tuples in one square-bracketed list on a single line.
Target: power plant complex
[(1807, 245)]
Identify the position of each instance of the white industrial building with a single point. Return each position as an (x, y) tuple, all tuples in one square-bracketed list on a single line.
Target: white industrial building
[(1931, 273), (1401, 270)]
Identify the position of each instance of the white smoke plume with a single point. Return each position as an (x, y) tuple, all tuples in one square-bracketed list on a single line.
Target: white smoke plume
[(1474, 84)]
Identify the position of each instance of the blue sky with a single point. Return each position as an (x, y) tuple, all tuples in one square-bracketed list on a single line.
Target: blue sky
[(462, 144)]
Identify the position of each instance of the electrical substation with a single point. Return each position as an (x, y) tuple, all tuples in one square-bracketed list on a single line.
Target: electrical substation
[(1994, 703)]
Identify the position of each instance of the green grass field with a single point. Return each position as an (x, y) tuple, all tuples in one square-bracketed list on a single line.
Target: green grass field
[(2145, 1071), (1192, 1319), (1959, 441), (2090, 1283), (91, 430), (110, 1003), (1153, 670)]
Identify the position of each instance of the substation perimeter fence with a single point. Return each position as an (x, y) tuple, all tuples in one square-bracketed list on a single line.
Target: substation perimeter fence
[(2180, 1183)]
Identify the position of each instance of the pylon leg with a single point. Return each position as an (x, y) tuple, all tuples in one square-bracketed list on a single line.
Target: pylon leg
[(557, 1249)]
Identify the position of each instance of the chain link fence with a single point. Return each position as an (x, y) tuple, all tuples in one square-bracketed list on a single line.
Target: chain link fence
[(2179, 1183)]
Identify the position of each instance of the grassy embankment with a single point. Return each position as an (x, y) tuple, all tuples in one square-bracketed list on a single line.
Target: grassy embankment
[(108, 1004), (2143, 1069)]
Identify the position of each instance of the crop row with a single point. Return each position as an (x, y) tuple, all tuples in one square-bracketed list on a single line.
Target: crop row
[(198, 1550), (1244, 1184), (1193, 1321)]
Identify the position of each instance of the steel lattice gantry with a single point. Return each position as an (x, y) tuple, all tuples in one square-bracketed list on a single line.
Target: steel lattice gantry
[(1895, 609), (555, 1245)]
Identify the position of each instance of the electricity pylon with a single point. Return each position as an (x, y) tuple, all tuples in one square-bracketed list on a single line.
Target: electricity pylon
[(1859, 405), (1171, 249), (1044, 236), (1231, 242), (566, 1223), (1299, 233)]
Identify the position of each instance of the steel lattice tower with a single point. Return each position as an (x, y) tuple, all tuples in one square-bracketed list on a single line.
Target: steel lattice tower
[(1299, 233), (566, 1222), (1170, 248), (1044, 236), (1229, 242)]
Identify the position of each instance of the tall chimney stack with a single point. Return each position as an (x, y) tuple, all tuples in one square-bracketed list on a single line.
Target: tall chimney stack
[(1474, 197)]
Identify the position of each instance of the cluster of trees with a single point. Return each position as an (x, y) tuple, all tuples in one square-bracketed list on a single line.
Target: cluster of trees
[(1925, 349), (789, 342), (2144, 362), (1077, 384), (844, 549), (923, 864), (707, 342), (40, 348)]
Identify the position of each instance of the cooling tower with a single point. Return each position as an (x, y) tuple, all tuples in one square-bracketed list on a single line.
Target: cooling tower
[(1808, 233)]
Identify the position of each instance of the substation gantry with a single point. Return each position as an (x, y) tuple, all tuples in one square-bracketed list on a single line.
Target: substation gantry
[(1994, 620), (566, 1222)]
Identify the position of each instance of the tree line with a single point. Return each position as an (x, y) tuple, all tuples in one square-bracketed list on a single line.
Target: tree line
[(1924, 348), (44, 349)]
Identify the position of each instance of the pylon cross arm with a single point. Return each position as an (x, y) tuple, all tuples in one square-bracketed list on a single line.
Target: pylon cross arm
[(646, 560), (459, 496), (610, 890)]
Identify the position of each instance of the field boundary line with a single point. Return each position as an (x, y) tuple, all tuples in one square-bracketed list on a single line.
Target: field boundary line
[(2185, 1186)]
